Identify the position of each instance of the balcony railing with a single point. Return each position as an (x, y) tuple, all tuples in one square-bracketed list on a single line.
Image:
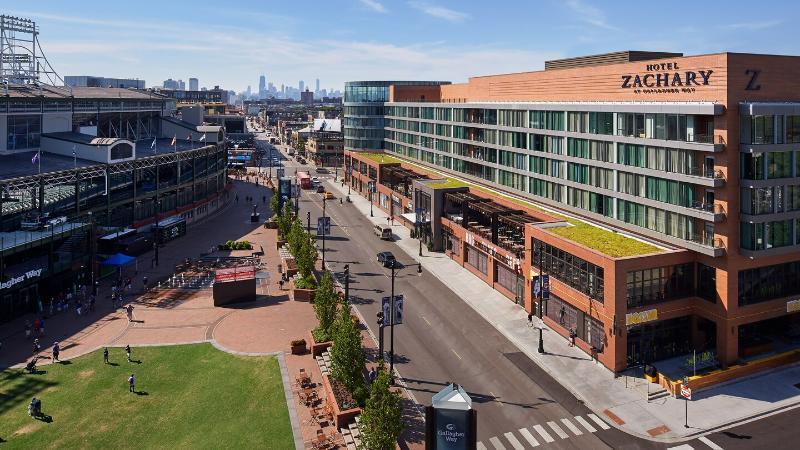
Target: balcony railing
[(715, 208)]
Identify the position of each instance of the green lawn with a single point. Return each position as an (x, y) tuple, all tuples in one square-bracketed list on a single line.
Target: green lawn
[(191, 396)]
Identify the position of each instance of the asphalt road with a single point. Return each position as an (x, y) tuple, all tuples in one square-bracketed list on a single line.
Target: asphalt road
[(443, 340)]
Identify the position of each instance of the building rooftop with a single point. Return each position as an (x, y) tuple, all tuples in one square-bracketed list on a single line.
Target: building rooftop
[(607, 58), (63, 92), (20, 165)]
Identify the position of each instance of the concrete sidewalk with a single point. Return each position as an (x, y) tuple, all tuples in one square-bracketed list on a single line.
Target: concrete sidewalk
[(623, 400)]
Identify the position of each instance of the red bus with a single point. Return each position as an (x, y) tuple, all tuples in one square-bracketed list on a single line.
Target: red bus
[(304, 179)]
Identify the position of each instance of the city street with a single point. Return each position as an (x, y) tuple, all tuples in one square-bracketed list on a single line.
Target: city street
[(443, 340)]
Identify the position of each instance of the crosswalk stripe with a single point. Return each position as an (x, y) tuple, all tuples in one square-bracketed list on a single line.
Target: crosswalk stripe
[(497, 444), (585, 424), (514, 441), (481, 446), (529, 437), (599, 421), (709, 443), (543, 433), (681, 447), (575, 430), (558, 430)]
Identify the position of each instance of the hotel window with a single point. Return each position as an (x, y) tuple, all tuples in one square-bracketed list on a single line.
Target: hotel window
[(651, 286), (588, 329), (779, 165), (426, 113), (511, 159), (545, 189), (578, 148), (631, 155), (707, 282), (793, 197), (578, 173), (578, 121), (512, 139), (511, 118), (601, 151), (512, 180), (602, 178), (476, 259), (444, 114), (549, 144), (761, 129), (759, 200), (630, 183), (547, 120), (752, 166), (767, 283), (792, 129), (601, 123), (669, 191), (23, 131)]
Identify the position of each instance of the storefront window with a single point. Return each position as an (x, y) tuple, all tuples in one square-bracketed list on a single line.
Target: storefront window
[(767, 283), (650, 286), (476, 259), (569, 269), (23, 131)]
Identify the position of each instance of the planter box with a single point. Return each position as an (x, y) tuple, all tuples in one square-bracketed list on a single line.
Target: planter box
[(299, 349), (279, 244), (303, 295), (290, 267), (340, 417), (318, 348)]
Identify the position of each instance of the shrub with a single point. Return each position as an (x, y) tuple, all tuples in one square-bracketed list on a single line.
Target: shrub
[(308, 282)]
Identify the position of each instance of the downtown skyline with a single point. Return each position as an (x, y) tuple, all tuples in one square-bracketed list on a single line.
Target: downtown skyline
[(358, 40)]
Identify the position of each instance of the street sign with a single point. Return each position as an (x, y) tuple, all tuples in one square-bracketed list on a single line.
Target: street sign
[(546, 287), (686, 392), (323, 226), (387, 310)]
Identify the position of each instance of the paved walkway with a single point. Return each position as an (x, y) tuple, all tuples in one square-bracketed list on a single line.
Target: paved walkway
[(626, 406)]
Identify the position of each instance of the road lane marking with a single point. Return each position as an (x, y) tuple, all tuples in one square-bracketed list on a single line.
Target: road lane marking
[(494, 398), (426, 321), (543, 433), (709, 443), (681, 447), (529, 437), (558, 430), (481, 446), (585, 424), (497, 444), (454, 352), (514, 441), (599, 421), (577, 431)]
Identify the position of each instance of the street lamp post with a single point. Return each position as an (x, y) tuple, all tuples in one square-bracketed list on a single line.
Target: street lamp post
[(156, 231), (347, 282), (308, 221), (381, 322), (324, 202), (91, 253), (370, 204), (391, 326)]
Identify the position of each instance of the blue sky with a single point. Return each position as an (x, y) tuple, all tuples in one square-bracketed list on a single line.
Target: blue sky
[(231, 44)]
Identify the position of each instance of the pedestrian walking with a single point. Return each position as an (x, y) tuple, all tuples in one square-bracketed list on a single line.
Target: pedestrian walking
[(572, 336), (56, 351), (41, 326), (280, 283), (28, 329), (373, 374), (265, 199), (105, 355), (128, 352), (530, 319), (36, 347), (129, 312), (36, 327), (144, 283), (131, 384)]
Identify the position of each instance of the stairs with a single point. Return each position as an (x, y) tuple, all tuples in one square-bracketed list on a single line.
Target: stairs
[(657, 392), (352, 434), (324, 363), (73, 243)]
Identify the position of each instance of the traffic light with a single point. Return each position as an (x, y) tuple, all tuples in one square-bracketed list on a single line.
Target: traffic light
[(380, 318)]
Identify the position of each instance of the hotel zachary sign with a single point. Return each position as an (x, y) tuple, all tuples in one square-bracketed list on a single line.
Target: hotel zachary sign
[(666, 78)]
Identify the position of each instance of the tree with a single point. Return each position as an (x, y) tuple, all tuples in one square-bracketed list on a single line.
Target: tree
[(305, 258), (275, 203), (382, 418), (296, 236), (325, 302), (285, 221), (347, 355)]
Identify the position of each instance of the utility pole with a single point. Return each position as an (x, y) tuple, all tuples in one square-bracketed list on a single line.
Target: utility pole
[(91, 253), (347, 282), (308, 221), (156, 231)]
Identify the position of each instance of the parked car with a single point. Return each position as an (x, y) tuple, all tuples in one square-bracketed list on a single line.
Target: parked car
[(383, 232), (320, 189), (386, 258)]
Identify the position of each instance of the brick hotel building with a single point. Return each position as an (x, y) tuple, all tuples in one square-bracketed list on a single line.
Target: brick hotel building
[(659, 192)]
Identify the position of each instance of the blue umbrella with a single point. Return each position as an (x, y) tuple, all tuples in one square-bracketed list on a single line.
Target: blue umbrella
[(118, 260)]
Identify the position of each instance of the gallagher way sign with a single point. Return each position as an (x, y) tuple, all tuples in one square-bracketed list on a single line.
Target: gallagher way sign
[(450, 421)]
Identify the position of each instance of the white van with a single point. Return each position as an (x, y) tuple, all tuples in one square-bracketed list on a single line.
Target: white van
[(383, 232)]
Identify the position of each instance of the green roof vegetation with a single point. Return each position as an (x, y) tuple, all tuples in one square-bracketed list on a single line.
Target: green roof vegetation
[(378, 157), (448, 183), (609, 243)]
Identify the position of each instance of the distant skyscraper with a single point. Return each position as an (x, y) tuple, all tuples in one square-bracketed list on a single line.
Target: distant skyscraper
[(169, 83), (302, 85), (262, 86), (317, 89), (271, 88), (181, 85), (194, 84)]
